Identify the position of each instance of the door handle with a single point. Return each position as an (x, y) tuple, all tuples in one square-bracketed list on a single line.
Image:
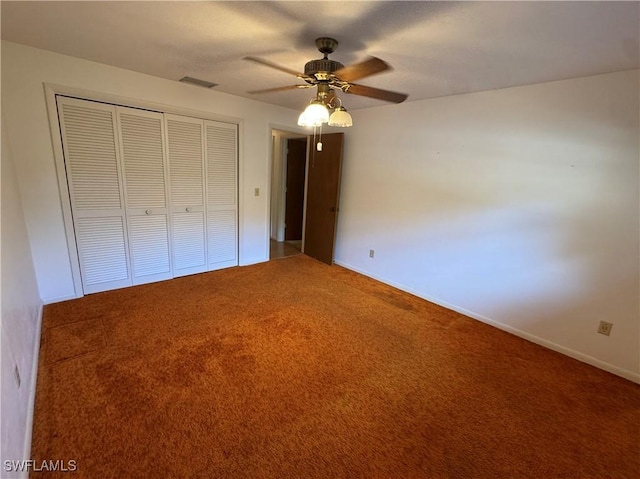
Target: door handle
[(333, 209), (188, 210), (147, 212)]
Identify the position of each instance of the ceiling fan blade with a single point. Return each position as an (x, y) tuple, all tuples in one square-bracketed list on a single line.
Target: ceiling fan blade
[(386, 95), (269, 64), (369, 67), (279, 88)]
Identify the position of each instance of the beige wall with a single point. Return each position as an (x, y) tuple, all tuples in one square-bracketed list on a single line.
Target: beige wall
[(21, 312), (519, 207)]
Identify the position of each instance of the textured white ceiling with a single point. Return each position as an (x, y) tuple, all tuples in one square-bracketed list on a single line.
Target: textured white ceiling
[(436, 48)]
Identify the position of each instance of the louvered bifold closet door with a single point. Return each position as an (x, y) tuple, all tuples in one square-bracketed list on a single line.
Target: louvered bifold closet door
[(146, 192), (222, 193), (88, 131), (185, 149)]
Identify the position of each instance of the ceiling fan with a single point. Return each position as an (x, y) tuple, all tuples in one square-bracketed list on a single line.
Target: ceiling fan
[(329, 75)]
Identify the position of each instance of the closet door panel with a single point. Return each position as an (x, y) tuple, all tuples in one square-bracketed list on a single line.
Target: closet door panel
[(189, 248), (102, 252), (88, 130), (149, 246), (223, 238), (91, 159), (222, 195), (185, 147), (143, 159), (146, 193)]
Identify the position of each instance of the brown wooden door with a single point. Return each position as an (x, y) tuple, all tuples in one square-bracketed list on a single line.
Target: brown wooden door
[(323, 190), (294, 203)]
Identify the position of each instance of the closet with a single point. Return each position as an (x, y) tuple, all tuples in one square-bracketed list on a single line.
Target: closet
[(153, 195)]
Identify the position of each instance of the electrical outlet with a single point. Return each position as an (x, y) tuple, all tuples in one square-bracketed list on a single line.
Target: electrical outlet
[(371, 253), (605, 328), (16, 374)]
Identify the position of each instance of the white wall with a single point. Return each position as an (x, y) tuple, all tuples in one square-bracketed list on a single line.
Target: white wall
[(518, 206), (21, 315), (26, 69)]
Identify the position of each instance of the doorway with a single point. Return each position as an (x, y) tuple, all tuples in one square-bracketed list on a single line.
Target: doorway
[(305, 191), (289, 159)]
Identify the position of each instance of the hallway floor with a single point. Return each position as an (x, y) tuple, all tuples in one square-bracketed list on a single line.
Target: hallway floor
[(285, 249)]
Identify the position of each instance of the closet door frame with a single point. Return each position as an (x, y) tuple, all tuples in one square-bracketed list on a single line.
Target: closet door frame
[(52, 91)]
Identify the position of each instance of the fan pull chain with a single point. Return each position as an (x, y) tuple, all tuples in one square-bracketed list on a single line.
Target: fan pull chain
[(313, 151), (319, 144)]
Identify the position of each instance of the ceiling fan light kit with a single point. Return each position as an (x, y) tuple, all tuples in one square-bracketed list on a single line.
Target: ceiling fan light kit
[(341, 118), (315, 114), (328, 76)]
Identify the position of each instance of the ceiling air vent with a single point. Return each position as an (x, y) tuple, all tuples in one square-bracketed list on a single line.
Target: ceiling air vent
[(198, 82)]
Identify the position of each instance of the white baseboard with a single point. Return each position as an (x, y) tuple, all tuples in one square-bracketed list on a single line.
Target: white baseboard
[(585, 358), (59, 299), (250, 261), (32, 390)]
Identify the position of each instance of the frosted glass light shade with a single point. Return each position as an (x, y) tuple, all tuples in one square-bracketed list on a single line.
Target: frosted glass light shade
[(340, 117), (314, 115), (302, 120)]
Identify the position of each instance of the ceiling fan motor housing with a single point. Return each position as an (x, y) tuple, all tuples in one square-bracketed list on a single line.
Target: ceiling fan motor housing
[(320, 69)]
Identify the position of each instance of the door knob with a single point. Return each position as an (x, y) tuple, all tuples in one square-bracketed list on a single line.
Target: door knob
[(333, 209), (148, 212), (188, 210)]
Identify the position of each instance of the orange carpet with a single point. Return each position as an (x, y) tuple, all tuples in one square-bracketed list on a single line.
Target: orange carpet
[(294, 369)]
